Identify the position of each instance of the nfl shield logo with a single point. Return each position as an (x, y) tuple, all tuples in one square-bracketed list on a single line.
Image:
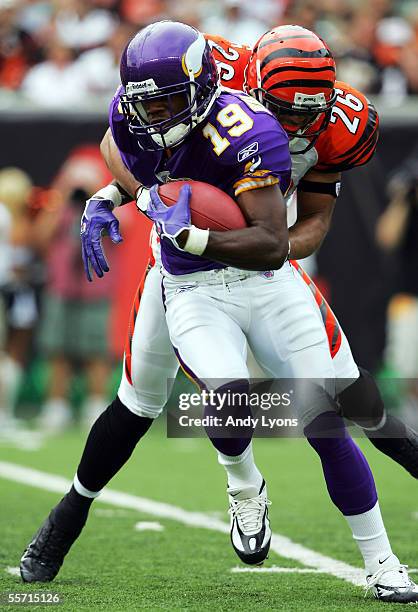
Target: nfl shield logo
[(268, 274)]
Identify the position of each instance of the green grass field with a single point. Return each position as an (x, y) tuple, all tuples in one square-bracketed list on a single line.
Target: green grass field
[(113, 566)]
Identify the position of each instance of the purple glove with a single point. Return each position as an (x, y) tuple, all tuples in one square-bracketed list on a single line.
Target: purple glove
[(170, 221), (97, 218)]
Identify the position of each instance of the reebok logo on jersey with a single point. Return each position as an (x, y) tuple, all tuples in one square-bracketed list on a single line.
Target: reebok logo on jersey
[(248, 151)]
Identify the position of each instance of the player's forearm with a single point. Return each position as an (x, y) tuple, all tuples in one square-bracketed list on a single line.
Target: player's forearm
[(317, 194), (113, 160), (263, 245), (306, 236), (252, 248)]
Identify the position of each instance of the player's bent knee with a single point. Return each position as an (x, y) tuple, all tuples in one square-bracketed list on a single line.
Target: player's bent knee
[(147, 409), (361, 402), (326, 433), (230, 404), (142, 404), (313, 400)]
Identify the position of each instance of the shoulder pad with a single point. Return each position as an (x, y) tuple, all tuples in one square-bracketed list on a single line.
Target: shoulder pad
[(231, 59)]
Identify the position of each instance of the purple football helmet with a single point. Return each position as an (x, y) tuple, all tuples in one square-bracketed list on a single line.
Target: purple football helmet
[(167, 68)]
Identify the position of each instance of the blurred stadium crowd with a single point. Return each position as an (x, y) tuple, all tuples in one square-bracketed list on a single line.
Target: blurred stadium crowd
[(57, 54), (60, 335), (59, 51)]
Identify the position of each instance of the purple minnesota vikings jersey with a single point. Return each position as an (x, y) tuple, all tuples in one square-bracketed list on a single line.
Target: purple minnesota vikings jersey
[(240, 146)]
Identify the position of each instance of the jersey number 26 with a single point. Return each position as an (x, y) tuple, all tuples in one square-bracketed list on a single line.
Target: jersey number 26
[(349, 101)]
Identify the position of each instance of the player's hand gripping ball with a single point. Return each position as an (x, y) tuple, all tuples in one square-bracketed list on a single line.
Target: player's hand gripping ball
[(170, 221), (210, 207)]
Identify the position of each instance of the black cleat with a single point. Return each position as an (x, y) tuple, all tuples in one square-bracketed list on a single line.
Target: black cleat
[(403, 450), (45, 554)]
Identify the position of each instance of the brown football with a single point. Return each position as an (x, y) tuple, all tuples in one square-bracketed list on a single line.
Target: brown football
[(211, 207)]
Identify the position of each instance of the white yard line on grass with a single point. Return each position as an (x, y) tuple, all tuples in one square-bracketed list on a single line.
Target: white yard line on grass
[(114, 513), (275, 570), (148, 526), (281, 545), (13, 571)]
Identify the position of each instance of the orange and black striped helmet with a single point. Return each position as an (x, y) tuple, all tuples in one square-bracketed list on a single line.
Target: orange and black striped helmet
[(292, 72)]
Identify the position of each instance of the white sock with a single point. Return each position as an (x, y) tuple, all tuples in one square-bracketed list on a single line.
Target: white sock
[(81, 490), (370, 534), (241, 470)]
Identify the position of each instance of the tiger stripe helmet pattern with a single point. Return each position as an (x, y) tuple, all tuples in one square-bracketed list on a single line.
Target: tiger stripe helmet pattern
[(292, 72)]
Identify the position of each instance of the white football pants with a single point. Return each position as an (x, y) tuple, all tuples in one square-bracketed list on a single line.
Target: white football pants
[(150, 364)]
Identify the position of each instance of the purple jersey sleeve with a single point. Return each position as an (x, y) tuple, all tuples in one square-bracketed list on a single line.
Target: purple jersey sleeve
[(250, 142)]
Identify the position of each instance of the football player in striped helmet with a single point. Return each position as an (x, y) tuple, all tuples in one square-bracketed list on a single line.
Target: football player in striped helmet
[(292, 73)]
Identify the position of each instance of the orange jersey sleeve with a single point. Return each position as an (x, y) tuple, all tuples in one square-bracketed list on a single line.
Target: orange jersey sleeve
[(231, 59), (351, 136)]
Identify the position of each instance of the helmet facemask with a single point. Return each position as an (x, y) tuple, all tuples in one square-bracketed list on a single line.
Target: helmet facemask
[(306, 121)]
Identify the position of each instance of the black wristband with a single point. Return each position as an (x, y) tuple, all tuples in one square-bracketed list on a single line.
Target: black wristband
[(332, 189), (126, 197)]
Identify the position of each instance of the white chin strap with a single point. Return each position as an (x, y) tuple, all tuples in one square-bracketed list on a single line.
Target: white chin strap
[(172, 136)]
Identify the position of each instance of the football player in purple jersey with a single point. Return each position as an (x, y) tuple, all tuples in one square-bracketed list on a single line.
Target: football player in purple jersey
[(170, 121)]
